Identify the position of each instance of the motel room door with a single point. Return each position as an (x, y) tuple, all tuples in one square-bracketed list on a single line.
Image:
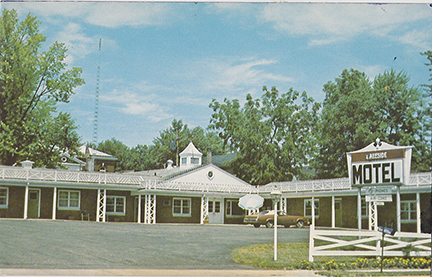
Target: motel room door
[(216, 210), (33, 203)]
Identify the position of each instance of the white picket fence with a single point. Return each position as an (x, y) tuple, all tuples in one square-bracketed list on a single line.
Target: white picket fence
[(367, 243)]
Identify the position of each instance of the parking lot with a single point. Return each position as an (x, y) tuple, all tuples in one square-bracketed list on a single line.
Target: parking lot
[(91, 245)]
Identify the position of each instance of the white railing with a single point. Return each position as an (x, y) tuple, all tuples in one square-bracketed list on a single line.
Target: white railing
[(197, 187), (51, 175), (416, 179), (367, 243)]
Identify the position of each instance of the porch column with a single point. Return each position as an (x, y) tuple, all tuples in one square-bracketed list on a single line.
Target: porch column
[(333, 213), (313, 212), (101, 206), (150, 209), (418, 212), (26, 195), (359, 205), (204, 208), (398, 209), (139, 208), (54, 208)]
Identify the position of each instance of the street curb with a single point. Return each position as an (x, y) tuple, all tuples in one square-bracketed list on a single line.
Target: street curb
[(154, 272)]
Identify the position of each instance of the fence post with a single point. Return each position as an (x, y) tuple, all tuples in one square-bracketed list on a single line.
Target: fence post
[(311, 243)]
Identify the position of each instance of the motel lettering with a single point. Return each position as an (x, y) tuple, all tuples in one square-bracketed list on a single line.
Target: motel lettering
[(376, 173)]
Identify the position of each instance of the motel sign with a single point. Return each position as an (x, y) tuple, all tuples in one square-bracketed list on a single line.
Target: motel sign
[(379, 164), (377, 168)]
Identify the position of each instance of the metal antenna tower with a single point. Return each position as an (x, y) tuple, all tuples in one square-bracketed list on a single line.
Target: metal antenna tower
[(96, 111)]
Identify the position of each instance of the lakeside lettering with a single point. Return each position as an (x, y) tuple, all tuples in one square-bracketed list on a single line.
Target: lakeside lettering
[(375, 173), (376, 156)]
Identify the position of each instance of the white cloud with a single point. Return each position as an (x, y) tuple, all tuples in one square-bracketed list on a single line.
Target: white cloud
[(339, 22), (107, 14), (136, 101), (421, 40), (77, 43), (130, 14), (372, 71), (235, 74)]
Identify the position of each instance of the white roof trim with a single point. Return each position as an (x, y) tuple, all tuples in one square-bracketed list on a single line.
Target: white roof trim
[(191, 150), (384, 146)]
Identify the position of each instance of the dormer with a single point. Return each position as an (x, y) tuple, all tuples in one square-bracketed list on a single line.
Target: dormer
[(190, 157)]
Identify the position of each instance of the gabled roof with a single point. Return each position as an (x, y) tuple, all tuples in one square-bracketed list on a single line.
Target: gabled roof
[(72, 159), (162, 174), (201, 175), (95, 153), (191, 150)]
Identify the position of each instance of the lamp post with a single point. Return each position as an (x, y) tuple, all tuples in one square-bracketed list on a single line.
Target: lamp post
[(275, 196)]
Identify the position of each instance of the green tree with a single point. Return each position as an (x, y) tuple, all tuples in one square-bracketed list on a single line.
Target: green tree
[(356, 111), (117, 149), (141, 158), (31, 83), (272, 136), (175, 139), (347, 112)]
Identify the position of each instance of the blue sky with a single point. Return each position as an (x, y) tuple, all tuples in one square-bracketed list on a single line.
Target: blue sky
[(165, 61)]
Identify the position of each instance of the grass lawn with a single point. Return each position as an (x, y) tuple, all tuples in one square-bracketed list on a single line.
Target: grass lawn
[(294, 255), (290, 255)]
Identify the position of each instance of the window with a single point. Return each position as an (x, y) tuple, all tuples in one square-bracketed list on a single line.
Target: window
[(233, 209), (116, 205), (195, 160), (308, 207), (181, 207), (408, 210), (214, 206), (69, 199), (184, 160), (210, 206), (4, 192)]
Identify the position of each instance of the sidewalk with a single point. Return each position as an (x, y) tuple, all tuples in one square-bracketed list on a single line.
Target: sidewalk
[(154, 272)]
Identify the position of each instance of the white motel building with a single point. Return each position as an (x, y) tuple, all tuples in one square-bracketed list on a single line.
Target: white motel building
[(380, 183)]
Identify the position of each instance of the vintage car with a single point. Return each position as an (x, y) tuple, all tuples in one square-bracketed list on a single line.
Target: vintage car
[(266, 218)]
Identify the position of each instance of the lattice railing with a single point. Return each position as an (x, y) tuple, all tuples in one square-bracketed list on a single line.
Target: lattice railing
[(51, 175), (197, 187), (69, 176), (416, 179)]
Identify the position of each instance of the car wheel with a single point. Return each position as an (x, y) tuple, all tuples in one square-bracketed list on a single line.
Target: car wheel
[(257, 225), (300, 224), (269, 224)]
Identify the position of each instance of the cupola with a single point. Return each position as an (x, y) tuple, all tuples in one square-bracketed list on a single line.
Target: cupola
[(190, 157)]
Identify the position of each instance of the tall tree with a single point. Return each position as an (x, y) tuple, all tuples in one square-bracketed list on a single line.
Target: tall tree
[(356, 111), (117, 149), (31, 83), (347, 111), (272, 136), (175, 138)]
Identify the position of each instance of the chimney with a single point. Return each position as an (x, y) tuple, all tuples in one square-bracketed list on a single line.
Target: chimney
[(209, 156)]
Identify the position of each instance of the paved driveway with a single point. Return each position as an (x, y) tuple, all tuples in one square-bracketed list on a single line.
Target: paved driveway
[(85, 245)]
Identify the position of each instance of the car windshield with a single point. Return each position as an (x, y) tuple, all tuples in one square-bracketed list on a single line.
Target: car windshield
[(263, 212)]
